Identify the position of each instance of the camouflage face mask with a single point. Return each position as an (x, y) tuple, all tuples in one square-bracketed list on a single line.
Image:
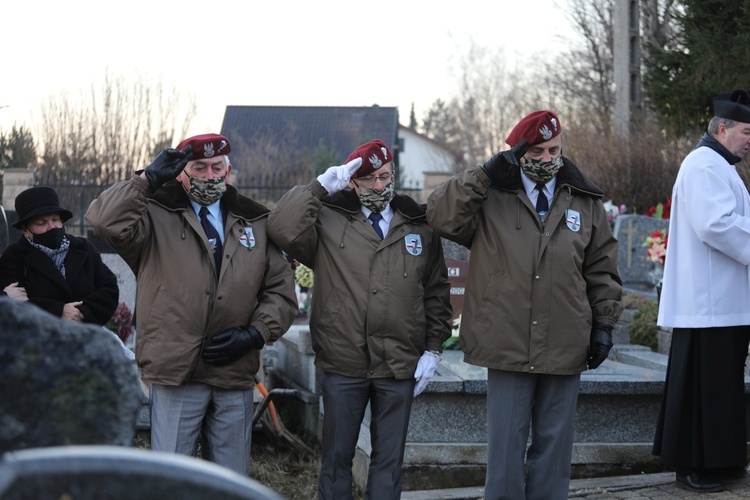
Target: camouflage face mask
[(206, 191), (541, 171), (376, 200)]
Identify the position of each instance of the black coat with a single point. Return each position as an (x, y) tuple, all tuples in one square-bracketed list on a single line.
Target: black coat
[(87, 279)]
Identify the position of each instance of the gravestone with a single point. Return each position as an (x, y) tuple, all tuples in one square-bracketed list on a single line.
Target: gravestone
[(125, 278), (63, 382), (457, 261), (114, 473), (453, 250), (457, 271), (631, 232)]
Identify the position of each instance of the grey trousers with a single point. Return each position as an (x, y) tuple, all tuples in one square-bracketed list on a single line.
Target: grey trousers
[(221, 418), (344, 401), (517, 401)]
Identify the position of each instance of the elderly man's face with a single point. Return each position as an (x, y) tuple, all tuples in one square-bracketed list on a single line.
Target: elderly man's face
[(735, 139), (546, 151), (207, 168), (376, 181)]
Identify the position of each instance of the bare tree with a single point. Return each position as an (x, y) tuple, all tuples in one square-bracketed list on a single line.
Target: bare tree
[(489, 99), (103, 137), (657, 22), (583, 77)]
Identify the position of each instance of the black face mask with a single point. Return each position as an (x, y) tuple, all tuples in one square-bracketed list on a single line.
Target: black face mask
[(51, 239)]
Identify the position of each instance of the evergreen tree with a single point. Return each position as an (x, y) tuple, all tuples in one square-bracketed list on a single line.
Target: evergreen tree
[(413, 118), (17, 149), (710, 55)]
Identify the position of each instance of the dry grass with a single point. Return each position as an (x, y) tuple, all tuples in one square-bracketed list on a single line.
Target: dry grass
[(277, 466)]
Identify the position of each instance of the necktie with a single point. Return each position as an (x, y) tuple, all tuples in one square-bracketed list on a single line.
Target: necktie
[(213, 237), (375, 219), (542, 205)]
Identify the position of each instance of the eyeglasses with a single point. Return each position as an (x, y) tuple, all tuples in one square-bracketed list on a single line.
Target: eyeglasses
[(370, 179)]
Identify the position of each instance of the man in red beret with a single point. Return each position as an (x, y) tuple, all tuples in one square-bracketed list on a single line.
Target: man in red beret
[(212, 290), (542, 297), (379, 313)]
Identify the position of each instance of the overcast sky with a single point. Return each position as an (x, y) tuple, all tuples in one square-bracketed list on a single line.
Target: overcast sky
[(252, 52)]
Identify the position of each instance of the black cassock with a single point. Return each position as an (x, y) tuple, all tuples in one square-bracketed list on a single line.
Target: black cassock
[(702, 422)]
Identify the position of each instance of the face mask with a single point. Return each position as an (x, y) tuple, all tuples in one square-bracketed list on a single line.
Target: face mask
[(541, 171), (374, 200), (51, 239), (206, 191)]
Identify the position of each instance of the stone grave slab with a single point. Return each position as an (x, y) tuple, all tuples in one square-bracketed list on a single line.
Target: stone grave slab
[(457, 272), (115, 473), (635, 268)]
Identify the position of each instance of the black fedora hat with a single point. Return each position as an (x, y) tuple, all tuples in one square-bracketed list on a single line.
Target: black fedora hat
[(36, 201)]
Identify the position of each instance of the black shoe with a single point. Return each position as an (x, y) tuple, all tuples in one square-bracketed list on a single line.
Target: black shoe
[(698, 483)]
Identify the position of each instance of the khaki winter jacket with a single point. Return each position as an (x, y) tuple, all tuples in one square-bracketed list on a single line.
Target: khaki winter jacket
[(180, 305), (533, 290), (377, 305)]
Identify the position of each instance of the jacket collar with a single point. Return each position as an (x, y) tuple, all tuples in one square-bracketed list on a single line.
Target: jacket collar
[(569, 176), (710, 141), (348, 201), (172, 196)]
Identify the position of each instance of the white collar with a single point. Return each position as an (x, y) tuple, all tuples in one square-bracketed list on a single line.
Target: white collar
[(529, 185), (214, 209), (387, 213)]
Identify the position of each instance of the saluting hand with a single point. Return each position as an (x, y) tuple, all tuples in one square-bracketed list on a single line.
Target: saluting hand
[(167, 166), (504, 159), (335, 179)]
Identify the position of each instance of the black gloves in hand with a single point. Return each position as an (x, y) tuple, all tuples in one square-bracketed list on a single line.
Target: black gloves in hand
[(504, 159), (167, 166), (232, 344), (599, 345)]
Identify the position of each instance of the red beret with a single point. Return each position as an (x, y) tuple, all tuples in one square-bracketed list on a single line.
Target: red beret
[(374, 155), (206, 145), (537, 127)]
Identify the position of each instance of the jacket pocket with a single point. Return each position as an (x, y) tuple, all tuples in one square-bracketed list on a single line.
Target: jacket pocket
[(331, 313), (490, 295)]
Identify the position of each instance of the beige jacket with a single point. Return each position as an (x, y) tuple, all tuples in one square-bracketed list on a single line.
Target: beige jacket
[(377, 305), (180, 305), (533, 290)]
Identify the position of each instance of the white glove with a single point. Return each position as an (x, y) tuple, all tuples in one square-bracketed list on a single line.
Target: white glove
[(425, 371), (337, 178)]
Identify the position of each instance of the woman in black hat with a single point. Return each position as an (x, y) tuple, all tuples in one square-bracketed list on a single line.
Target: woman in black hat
[(62, 274)]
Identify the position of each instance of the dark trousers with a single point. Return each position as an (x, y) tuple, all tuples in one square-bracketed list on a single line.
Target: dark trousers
[(546, 404), (702, 420), (344, 402)]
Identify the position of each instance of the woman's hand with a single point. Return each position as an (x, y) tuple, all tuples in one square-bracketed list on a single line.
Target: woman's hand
[(71, 312), (16, 292)]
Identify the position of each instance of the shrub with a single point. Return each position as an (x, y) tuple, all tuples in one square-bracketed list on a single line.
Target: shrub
[(643, 326)]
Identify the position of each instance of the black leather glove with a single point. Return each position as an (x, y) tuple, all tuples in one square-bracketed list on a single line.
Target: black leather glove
[(231, 345), (504, 159), (599, 345), (167, 166)]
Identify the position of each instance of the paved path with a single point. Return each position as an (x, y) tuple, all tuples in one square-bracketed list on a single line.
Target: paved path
[(640, 487)]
